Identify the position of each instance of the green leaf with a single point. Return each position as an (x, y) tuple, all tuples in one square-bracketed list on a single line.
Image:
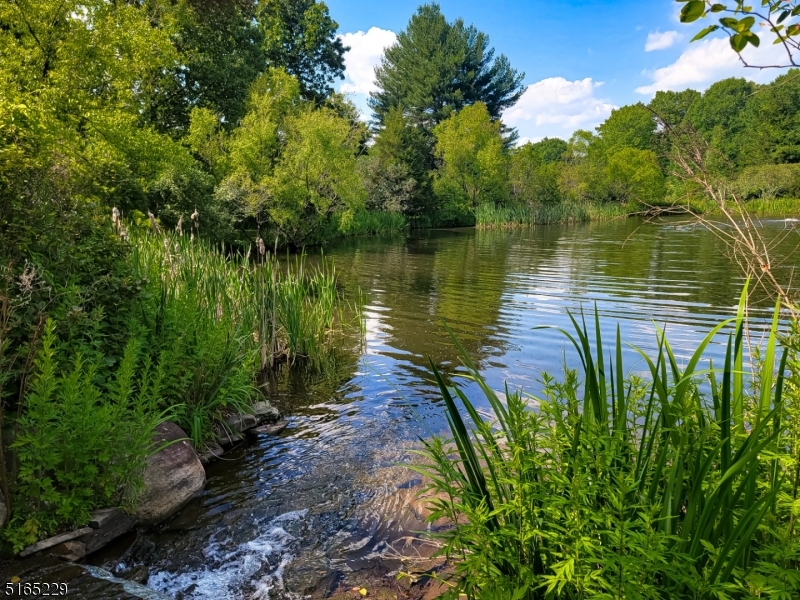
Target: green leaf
[(745, 24), (752, 39), (705, 32), (793, 29), (729, 22), (783, 16), (692, 11), (738, 42), (715, 8)]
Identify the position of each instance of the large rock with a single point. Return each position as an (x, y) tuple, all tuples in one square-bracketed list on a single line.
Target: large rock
[(173, 476)]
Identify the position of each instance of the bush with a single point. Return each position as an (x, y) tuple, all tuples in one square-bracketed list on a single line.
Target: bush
[(82, 442), (768, 182), (637, 489)]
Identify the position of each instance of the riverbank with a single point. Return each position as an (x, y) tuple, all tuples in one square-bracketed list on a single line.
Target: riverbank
[(489, 216)]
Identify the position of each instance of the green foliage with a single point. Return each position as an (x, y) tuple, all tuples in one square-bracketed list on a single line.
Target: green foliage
[(627, 488), (83, 438), (769, 182), (474, 165), (438, 67), (513, 215), (534, 170), (738, 20), (635, 176), (628, 127), (300, 37)]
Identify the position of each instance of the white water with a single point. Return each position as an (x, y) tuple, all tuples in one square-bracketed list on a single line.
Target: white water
[(252, 569)]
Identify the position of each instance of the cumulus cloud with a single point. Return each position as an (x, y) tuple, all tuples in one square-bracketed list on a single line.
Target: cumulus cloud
[(366, 49), (556, 107), (657, 40), (710, 60)]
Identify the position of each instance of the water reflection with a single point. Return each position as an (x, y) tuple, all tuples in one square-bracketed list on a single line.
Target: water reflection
[(303, 509)]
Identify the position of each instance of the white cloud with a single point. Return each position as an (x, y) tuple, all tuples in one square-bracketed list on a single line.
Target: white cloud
[(555, 107), (710, 60), (657, 40), (366, 49)]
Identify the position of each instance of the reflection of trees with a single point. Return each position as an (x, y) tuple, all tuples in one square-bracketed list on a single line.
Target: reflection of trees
[(488, 285)]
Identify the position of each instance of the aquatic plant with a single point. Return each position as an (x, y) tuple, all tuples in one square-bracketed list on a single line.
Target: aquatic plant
[(680, 485), (491, 215)]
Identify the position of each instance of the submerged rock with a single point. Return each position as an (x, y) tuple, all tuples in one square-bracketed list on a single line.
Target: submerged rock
[(212, 452), (271, 429), (173, 476)]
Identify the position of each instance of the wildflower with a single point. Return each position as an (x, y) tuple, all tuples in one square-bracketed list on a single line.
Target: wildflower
[(179, 226)]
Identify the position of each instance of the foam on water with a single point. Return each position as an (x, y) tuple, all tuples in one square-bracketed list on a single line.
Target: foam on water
[(252, 570)]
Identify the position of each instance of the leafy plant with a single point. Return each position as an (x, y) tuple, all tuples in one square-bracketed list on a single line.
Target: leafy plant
[(633, 489), (81, 443)]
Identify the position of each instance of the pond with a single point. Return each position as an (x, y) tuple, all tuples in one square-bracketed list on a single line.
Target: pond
[(306, 511)]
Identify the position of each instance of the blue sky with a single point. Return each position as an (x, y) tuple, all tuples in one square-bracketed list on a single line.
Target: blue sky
[(581, 58)]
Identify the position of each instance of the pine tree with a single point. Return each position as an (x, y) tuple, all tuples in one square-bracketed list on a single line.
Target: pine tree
[(436, 68)]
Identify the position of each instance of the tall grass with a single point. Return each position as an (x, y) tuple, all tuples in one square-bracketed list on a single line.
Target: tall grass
[(362, 223), (215, 318), (493, 216), (621, 487)]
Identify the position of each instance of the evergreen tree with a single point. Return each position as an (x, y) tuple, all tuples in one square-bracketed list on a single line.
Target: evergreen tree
[(436, 68)]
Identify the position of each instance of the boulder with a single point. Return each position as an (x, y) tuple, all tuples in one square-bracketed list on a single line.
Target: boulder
[(172, 477), (71, 551)]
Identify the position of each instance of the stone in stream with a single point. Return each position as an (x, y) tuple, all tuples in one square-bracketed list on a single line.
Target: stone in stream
[(71, 551), (173, 476), (266, 412), (271, 429), (241, 422)]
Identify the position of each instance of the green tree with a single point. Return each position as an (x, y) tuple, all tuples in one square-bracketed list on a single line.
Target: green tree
[(534, 172), (437, 67), (628, 127), (635, 175), (220, 48), (672, 107), (300, 37), (290, 166), (474, 164), (404, 151)]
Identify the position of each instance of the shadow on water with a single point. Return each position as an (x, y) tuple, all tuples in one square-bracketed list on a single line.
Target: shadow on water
[(302, 511)]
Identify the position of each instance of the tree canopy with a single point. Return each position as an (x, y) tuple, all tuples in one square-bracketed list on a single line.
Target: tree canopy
[(437, 67)]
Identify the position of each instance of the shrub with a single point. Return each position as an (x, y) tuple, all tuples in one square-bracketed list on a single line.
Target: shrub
[(82, 442), (768, 182), (639, 489)]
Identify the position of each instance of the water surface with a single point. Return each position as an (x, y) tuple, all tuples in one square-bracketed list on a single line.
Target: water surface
[(303, 511)]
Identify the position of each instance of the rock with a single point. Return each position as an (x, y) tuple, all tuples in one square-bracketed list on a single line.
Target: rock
[(54, 541), (172, 477), (266, 412), (271, 429), (71, 551), (112, 523), (103, 516), (226, 437), (139, 574), (241, 422), (212, 453)]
